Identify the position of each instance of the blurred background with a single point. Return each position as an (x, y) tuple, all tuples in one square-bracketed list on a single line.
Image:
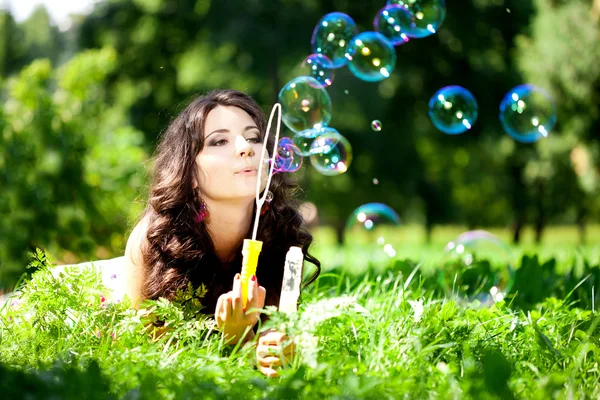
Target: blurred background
[(86, 90)]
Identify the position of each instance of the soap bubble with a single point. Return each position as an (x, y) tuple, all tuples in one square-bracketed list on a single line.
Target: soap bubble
[(372, 233), (477, 268), (394, 21), (453, 110), (428, 16), (331, 153), (527, 113), (304, 139), (376, 125), (288, 158), (319, 67), (304, 104), (332, 35), (372, 57)]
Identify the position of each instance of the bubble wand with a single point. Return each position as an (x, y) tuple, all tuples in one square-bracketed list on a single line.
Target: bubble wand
[(252, 247)]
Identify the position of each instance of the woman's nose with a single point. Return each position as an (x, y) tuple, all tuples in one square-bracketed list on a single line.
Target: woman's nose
[(242, 147)]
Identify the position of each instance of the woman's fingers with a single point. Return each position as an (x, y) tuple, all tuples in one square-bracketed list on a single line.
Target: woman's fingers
[(219, 305), (252, 293), (262, 294), (256, 294), (270, 361), (221, 310), (227, 307), (268, 372), (274, 338), (236, 297)]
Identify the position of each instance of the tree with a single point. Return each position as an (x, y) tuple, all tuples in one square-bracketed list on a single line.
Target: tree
[(69, 164), (20, 44), (561, 55)]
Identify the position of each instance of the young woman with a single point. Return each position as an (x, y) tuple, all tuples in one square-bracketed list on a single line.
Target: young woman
[(201, 207)]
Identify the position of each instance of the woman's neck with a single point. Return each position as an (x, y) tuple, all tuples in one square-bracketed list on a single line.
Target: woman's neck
[(228, 223)]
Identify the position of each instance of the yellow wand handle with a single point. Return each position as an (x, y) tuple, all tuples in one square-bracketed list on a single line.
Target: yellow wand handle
[(250, 253)]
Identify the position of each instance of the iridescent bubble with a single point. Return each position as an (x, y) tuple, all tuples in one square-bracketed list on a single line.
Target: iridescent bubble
[(375, 181), (332, 35), (394, 21), (372, 233), (428, 16), (304, 104), (527, 113), (372, 57), (477, 269), (376, 125), (288, 158), (453, 110), (320, 67), (331, 153), (304, 139)]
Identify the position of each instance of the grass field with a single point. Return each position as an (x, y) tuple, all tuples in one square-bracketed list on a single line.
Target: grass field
[(360, 333), (559, 242)]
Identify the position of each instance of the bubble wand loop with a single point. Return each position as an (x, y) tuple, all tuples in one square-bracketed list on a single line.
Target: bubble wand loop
[(252, 247)]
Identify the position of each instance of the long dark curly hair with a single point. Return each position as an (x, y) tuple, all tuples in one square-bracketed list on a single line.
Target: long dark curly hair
[(178, 250)]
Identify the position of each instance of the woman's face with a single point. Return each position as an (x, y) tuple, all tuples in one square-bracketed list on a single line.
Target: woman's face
[(229, 161)]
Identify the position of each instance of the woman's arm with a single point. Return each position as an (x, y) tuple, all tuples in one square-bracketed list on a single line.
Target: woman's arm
[(134, 264)]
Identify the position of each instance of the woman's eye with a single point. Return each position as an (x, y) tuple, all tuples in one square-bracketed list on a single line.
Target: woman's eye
[(220, 142), (255, 140)]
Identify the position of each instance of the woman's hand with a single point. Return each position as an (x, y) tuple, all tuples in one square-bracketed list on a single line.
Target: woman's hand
[(230, 314), (274, 350)]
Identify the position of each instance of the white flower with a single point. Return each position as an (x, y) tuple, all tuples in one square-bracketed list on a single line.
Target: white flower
[(417, 307)]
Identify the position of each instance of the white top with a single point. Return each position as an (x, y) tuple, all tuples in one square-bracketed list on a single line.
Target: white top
[(113, 278), (112, 275)]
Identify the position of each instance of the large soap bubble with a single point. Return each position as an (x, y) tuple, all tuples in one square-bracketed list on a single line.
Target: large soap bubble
[(394, 22), (304, 104), (453, 110), (331, 153), (372, 234), (332, 35), (428, 15), (372, 56), (320, 67), (477, 269), (527, 113), (303, 139)]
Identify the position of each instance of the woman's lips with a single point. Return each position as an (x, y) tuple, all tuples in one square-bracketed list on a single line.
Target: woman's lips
[(247, 172)]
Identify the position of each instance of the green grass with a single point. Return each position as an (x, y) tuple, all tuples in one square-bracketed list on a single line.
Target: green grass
[(558, 242), (361, 333)]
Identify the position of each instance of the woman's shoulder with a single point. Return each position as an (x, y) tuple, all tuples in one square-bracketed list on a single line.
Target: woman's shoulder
[(133, 249), (134, 261)]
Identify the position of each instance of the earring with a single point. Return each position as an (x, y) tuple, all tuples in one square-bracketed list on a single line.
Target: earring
[(267, 205), (203, 213)]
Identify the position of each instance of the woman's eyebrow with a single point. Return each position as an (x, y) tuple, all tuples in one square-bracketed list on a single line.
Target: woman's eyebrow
[(223, 130)]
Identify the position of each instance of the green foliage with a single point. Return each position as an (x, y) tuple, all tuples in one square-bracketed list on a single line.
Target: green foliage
[(369, 336), (70, 166), (566, 166), (22, 43)]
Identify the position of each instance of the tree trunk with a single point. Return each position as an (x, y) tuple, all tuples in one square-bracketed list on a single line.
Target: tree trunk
[(517, 229), (581, 214), (339, 230), (540, 220), (428, 229), (518, 201)]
